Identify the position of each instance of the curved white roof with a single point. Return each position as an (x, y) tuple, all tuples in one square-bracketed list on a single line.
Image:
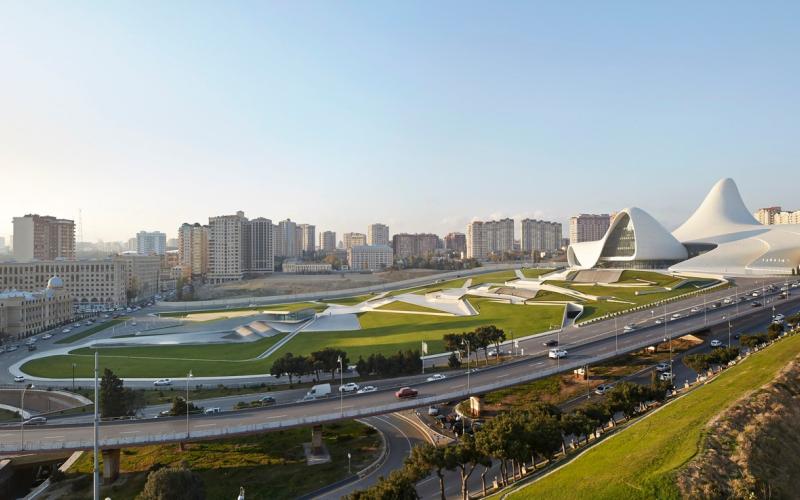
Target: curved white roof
[(722, 212), (651, 242)]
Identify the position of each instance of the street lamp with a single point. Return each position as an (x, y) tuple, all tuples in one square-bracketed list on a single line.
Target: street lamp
[(22, 415), (341, 382), (188, 376), (73, 377), (467, 343), (616, 332), (349, 457)]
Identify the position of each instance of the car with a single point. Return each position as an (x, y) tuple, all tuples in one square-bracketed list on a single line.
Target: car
[(66, 330), (162, 382), (77, 325), (676, 315), (755, 294), (12, 348), (602, 389), (550, 343), (165, 413), (557, 353), (663, 367), (658, 321), (133, 323), (794, 285), (366, 389), (406, 392), (629, 328), (666, 376), (47, 336), (348, 387), (779, 318), (211, 411), (19, 378), (695, 310), (433, 411), (727, 300), (435, 377), (31, 347), (267, 400), (736, 336), (31, 341), (755, 303), (35, 421), (716, 343), (715, 305)]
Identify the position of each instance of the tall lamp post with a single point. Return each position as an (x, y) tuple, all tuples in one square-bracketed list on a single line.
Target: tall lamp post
[(22, 415), (188, 376), (341, 382), (73, 377), (616, 334), (467, 343)]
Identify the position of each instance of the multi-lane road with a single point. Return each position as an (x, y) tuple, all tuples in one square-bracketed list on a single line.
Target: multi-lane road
[(590, 344)]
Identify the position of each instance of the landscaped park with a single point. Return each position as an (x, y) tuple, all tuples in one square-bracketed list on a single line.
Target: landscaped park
[(521, 303)]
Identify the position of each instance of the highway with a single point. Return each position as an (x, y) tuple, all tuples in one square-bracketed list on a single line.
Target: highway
[(590, 344)]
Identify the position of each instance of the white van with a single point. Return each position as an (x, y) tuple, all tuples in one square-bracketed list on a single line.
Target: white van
[(319, 391), (211, 411)]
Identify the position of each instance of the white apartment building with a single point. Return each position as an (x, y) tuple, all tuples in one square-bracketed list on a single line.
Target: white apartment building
[(499, 235), (369, 257), (193, 248), (540, 235), (476, 241), (776, 215), (43, 237), (354, 239), (286, 239), (378, 234), (588, 227), (308, 239), (151, 243), (225, 252), (306, 267), (328, 241)]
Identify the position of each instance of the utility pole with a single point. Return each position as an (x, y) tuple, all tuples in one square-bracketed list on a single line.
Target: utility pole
[(341, 382), (188, 376), (96, 467)]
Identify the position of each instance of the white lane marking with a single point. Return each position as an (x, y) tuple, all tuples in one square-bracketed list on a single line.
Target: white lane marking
[(504, 376), (408, 440), (53, 437), (205, 425), (129, 432), (275, 416), (3, 435)]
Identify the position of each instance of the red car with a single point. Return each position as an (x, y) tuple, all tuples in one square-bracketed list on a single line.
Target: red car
[(406, 392)]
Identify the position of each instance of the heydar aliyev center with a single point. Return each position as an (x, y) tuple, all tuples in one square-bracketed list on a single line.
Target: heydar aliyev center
[(720, 238)]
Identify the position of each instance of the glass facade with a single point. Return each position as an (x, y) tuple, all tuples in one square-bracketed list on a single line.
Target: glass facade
[(622, 240)]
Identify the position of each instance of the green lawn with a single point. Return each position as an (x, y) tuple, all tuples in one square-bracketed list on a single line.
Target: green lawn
[(459, 283), (349, 301), (399, 305), (91, 331), (388, 333), (658, 279), (547, 295), (640, 462), (498, 277), (381, 332), (294, 306), (535, 272), (269, 465)]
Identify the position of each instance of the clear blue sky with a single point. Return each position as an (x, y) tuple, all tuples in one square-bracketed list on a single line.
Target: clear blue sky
[(422, 115)]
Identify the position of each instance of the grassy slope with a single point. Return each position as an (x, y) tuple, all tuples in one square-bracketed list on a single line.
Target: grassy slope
[(389, 333), (90, 331), (545, 295), (380, 332), (640, 462), (270, 465), (349, 301), (295, 306), (535, 272), (399, 305), (499, 277), (459, 283)]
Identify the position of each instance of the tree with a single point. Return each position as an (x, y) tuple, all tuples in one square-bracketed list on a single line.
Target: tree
[(577, 424), (179, 407), (453, 361), (173, 482), (466, 456), (291, 366), (697, 362), (496, 439), (115, 399), (426, 458), (328, 359), (598, 414), (398, 485)]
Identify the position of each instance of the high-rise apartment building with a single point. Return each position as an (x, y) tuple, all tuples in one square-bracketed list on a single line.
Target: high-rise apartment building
[(193, 248), (43, 237), (378, 234), (225, 248), (308, 239), (369, 257), (258, 246), (354, 240), (151, 243), (456, 242), (499, 235), (476, 241), (540, 235), (414, 245), (776, 215), (328, 241), (286, 239), (588, 227)]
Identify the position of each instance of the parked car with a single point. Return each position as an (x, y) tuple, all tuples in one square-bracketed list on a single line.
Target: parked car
[(557, 353), (435, 377), (779, 318), (366, 389), (35, 421), (663, 367), (602, 389), (349, 387), (19, 378), (162, 382), (433, 411), (716, 343), (666, 376), (406, 392), (267, 400)]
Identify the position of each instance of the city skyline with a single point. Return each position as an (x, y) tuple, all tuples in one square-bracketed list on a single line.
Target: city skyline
[(160, 123)]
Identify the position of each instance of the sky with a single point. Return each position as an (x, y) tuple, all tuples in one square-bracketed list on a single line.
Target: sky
[(420, 115)]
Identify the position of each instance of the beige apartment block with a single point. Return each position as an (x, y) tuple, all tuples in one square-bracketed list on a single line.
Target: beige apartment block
[(225, 252), (540, 235), (328, 241), (378, 234), (588, 227), (354, 240), (43, 237), (476, 241), (369, 257), (26, 313), (193, 248)]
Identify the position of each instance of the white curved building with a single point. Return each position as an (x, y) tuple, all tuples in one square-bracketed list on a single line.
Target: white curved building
[(720, 238)]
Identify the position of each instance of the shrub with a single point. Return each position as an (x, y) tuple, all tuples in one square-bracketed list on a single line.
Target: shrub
[(173, 482)]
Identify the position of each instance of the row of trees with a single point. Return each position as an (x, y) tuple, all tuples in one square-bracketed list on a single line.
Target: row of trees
[(703, 361), (327, 360), (514, 439), (400, 363), (481, 339)]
